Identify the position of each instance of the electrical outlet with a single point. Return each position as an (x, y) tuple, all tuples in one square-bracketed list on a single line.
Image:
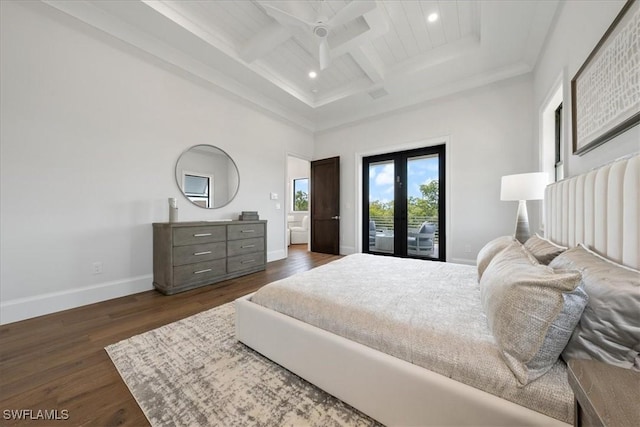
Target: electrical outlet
[(97, 267)]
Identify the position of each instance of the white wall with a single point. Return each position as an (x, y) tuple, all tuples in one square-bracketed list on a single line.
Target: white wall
[(90, 134), (579, 26), (488, 133)]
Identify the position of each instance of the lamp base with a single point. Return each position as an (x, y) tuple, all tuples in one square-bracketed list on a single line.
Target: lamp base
[(522, 222)]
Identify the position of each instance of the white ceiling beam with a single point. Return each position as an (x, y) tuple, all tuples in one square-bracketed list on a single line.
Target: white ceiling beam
[(374, 71), (264, 42), (378, 26)]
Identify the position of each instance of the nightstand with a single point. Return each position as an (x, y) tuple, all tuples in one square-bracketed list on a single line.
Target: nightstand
[(605, 395)]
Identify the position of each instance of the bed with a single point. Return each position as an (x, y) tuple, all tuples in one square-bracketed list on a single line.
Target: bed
[(442, 365)]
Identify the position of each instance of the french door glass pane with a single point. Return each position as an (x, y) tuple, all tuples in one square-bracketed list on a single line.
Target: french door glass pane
[(381, 206), (422, 206)]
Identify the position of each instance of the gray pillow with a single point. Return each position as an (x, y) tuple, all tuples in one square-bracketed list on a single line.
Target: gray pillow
[(544, 250), (490, 250), (531, 310), (609, 330)]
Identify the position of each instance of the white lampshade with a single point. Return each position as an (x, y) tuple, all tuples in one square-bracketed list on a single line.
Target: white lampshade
[(524, 186)]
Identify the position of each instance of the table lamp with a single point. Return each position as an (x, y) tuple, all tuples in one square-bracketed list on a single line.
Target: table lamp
[(523, 187)]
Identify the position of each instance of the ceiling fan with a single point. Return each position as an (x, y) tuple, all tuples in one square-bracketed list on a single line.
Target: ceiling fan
[(321, 28)]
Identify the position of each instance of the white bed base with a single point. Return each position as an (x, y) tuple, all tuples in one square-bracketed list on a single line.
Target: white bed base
[(599, 208), (388, 389)]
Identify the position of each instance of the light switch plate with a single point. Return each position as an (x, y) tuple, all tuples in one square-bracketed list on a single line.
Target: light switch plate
[(274, 196)]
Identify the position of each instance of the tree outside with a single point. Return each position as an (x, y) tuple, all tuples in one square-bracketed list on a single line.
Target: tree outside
[(301, 201), (419, 208)]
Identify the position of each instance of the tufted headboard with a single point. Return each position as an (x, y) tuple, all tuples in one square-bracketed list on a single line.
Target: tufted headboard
[(600, 209)]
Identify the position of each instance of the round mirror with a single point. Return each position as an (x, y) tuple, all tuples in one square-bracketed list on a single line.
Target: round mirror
[(207, 176)]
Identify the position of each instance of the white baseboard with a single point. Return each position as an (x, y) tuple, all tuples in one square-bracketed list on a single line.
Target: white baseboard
[(347, 250), (276, 255), (39, 305)]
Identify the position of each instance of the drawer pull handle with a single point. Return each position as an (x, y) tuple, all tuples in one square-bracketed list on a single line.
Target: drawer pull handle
[(248, 261), (248, 231), (202, 271), (202, 253), (247, 246), (202, 235)]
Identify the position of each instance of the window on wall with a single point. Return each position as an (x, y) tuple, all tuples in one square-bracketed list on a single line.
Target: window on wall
[(559, 171), (552, 129), (301, 194)]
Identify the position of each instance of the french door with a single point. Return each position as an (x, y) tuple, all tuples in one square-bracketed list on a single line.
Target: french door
[(403, 203)]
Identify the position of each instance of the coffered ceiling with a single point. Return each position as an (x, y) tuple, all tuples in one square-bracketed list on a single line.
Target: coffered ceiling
[(370, 57)]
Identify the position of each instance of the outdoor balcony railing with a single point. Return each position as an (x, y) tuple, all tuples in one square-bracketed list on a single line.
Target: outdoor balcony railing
[(385, 223)]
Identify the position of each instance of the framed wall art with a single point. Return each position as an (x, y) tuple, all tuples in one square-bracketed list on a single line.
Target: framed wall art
[(605, 92)]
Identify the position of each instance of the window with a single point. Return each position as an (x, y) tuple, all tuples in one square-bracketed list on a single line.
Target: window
[(198, 188), (558, 144), (552, 135), (301, 194)]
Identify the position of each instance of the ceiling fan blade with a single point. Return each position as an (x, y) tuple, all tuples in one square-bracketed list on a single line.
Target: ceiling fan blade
[(325, 54), (286, 18), (351, 11)]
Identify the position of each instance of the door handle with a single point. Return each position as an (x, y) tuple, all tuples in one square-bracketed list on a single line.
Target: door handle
[(335, 217)]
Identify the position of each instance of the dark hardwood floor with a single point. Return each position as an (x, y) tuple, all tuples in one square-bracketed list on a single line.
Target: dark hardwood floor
[(58, 362)]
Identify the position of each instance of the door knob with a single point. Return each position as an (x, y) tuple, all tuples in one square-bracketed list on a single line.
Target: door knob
[(335, 217)]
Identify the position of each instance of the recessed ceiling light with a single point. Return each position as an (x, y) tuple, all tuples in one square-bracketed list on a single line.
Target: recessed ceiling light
[(313, 74), (432, 17), (314, 90)]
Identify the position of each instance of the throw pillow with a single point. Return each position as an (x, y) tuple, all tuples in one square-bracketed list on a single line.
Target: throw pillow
[(531, 310), (490, 250), (544, 250), (609, 330)]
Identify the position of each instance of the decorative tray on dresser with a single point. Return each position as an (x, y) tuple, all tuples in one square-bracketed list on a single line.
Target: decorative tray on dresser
[(188, 255)]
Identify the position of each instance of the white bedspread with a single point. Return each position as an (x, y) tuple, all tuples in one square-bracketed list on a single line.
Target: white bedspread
[(427, 313)]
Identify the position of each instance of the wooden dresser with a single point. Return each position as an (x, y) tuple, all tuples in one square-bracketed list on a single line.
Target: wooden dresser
[(187, 255)]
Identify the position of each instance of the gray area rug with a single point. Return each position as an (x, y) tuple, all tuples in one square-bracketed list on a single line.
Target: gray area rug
[(194, 373)]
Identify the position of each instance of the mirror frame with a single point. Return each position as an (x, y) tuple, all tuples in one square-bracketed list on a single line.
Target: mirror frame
[(229, 158)]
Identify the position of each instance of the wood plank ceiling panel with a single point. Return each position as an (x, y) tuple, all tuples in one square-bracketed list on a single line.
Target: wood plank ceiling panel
[(449, 20), (436, 33), (467, 14), (417, 23), (402, 27), (392, 37), (213, 18)]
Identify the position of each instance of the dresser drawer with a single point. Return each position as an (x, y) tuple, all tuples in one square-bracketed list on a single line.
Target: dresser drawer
[(188, 255), (245, 262), (245, 231), (183, 236), (245, 246), (199, 272), (199, 253)]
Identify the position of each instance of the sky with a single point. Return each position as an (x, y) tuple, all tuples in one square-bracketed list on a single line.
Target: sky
[(420, 170), (302, 185)]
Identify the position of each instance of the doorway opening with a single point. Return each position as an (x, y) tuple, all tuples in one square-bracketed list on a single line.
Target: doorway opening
[(297, 203), (404, 203)]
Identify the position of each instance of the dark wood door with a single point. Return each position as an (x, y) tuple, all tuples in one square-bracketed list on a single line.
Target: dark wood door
[(325, 206)]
